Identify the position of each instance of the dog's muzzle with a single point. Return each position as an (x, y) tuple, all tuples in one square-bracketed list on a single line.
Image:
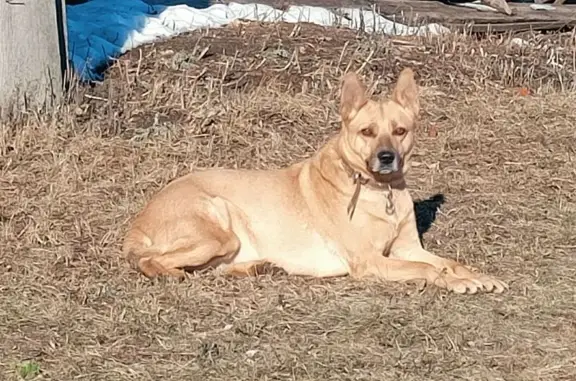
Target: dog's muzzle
[(385, 162)]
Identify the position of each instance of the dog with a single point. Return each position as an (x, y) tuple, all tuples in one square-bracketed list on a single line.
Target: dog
[(346, 210)]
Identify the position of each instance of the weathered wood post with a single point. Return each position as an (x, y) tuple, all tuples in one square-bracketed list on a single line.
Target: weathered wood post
[(32, 54)]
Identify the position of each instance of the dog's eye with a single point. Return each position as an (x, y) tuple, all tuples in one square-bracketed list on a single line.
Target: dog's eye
[(367, 132), (400, 131)]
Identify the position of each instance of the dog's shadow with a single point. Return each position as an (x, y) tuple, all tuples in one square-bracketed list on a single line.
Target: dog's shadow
[(426, 211)]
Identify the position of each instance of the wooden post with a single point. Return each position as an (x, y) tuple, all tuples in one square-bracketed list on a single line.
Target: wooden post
[(33, 55)]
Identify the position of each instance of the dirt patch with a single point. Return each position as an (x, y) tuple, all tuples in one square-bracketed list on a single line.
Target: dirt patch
[(496, 141)]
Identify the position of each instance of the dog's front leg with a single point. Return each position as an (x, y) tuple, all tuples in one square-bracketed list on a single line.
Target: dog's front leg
[(398, 270), (407, 246)]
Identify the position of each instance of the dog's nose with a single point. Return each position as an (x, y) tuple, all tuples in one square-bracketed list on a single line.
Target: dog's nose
[(386, 157)]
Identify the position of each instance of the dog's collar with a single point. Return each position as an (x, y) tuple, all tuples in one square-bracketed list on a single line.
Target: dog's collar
[(358, 181)]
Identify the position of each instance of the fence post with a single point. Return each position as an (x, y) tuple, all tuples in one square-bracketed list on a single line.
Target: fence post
[(33, 55)]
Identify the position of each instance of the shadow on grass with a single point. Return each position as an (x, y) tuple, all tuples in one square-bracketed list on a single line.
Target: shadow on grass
[(426, 212)]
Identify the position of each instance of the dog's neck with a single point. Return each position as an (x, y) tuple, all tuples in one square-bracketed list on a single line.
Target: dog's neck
[(359, 181), (332, 165)]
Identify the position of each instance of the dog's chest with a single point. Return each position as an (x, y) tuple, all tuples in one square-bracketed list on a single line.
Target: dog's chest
[(378, 220), (374, 234)]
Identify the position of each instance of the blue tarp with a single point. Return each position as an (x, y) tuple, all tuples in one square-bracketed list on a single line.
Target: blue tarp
[(98, 29)]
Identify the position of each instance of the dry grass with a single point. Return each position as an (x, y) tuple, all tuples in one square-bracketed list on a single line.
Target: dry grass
[(70, 308)]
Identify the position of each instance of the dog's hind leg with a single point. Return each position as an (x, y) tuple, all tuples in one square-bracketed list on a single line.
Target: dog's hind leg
[(192, 254), (251, 268), (187, 241)]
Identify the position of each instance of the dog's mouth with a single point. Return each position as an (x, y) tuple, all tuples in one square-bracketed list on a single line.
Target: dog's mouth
[(388, 167), (386, 171)]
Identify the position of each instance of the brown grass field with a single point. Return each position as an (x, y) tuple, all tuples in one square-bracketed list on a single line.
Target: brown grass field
[(496, 144)]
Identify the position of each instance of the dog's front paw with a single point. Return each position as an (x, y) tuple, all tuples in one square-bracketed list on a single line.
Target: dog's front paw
[(491, 284), (472, 283)]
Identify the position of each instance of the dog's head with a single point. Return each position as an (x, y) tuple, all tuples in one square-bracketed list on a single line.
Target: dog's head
[(377, 136)]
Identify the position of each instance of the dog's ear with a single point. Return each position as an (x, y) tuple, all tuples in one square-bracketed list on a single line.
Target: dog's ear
[(353, 96), (406, 91)]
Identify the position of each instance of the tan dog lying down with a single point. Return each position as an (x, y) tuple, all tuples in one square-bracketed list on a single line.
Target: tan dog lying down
[(344, 211)]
